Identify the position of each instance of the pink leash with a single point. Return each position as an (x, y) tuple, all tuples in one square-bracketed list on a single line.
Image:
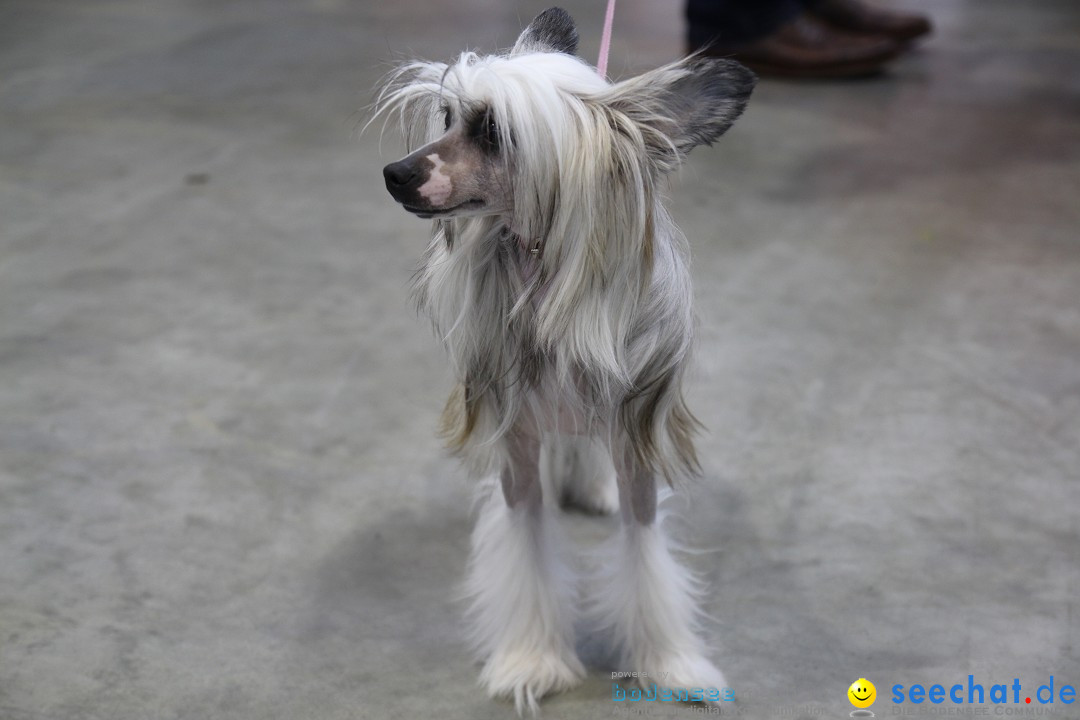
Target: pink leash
[(605, 40)]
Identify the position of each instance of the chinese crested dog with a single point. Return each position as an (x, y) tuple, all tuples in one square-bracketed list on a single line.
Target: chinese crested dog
[(559, 286)]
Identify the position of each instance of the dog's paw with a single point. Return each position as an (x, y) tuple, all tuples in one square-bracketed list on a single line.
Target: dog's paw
[(528, 676), (597, 496), (687, 671)]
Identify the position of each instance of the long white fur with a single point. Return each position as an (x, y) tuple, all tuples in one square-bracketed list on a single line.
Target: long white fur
[(522, 596), (601, 313), (649, 603)]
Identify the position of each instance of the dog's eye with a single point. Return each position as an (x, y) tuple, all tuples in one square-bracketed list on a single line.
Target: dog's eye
[(489, 131), (448, 117), (484, 131)]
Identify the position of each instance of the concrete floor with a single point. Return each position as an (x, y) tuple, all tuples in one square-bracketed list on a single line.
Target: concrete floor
[(220, 491)]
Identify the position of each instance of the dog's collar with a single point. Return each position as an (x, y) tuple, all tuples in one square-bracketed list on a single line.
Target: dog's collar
[(533, 247)]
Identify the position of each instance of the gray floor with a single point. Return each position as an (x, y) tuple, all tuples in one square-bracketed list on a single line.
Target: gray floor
[(220, 491)]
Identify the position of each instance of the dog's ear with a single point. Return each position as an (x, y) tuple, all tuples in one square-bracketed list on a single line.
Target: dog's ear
[(680, 106), (551, 31)]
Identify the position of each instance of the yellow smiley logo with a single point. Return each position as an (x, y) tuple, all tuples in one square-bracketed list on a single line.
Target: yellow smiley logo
[(862, 693)]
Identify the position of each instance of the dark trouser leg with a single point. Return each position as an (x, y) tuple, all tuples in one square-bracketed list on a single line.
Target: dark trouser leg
[(735, 22)]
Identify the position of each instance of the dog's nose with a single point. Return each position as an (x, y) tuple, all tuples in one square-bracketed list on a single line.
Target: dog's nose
[(399, 175)]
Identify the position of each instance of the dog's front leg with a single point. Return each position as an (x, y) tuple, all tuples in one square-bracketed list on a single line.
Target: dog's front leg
[(649, 601), (521, 589)]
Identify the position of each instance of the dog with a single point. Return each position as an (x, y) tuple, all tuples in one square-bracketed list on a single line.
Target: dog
[(560, 287)]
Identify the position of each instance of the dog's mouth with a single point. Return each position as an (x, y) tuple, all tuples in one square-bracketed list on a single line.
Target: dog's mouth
[(428, 213)]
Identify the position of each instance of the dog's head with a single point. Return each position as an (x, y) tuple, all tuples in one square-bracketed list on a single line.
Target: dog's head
[(518, 133)]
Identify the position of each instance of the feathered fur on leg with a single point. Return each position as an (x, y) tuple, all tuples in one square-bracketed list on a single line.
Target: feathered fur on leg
[(521, 590), (647, 600)]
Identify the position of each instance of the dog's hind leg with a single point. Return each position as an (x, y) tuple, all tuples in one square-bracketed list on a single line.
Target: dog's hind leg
[(648, 600), (521, 589), (579, 472)]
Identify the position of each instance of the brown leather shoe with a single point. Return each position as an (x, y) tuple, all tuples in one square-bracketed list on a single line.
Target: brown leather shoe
[(857, 16), (809, 47)]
